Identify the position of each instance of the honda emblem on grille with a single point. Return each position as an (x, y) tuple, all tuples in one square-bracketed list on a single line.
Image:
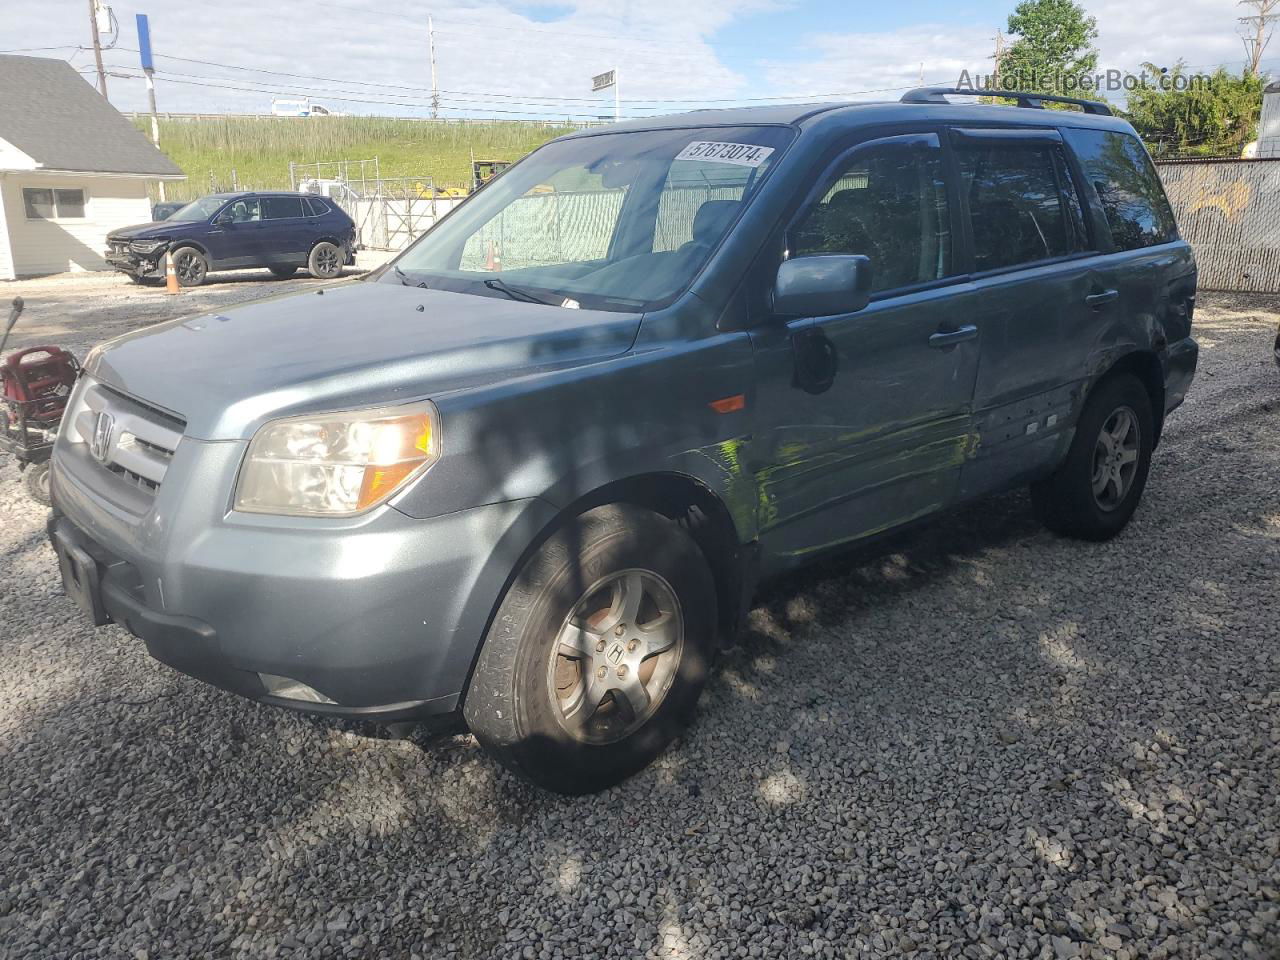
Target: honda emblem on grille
[(100, 443)]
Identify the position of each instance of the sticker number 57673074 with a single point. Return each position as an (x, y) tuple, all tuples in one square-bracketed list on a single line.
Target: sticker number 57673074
[(742, 154)]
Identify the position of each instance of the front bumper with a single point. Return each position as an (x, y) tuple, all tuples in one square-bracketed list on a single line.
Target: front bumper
[(134, 264), (382, 616)]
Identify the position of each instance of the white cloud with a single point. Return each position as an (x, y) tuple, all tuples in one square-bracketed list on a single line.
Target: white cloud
[(1202, 33), (495, 57), (484, 49)]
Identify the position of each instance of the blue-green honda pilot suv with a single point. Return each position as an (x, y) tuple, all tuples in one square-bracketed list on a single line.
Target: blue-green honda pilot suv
[(530, 473)]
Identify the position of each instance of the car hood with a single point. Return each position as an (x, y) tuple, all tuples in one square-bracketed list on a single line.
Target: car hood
[(355, 344), (157, 229)]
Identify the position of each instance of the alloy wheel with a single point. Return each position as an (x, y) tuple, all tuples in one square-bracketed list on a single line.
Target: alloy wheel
[(616, 656), (327, 260), (1115, 458), (189, 268)]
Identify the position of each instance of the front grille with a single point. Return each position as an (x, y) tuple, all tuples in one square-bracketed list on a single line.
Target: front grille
[(134, 441)]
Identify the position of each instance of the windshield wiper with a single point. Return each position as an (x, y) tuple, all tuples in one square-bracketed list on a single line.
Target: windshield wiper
[(408, 281), (515, 293)]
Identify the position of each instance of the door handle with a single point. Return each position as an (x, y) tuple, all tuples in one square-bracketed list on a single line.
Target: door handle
[(949, 338), (1096, 300)]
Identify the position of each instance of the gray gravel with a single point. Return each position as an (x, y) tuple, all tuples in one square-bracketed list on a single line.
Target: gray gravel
[(976, 741)]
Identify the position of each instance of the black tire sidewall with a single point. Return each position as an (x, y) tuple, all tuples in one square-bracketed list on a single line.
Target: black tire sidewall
[(283, 273), (36, 479), (311, 261), (512, 674), (1068, 499)]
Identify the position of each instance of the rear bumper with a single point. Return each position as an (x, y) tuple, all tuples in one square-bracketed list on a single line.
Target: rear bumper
[(1179, 371), (383, 618)]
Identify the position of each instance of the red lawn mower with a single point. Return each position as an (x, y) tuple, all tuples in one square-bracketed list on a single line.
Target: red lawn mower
[(34, 387)]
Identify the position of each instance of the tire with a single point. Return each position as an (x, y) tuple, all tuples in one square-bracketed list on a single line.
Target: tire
[(191, 266), (284, 273), (36, 479), (325, 261), (574, 594), (139, 280), (1069, 502)]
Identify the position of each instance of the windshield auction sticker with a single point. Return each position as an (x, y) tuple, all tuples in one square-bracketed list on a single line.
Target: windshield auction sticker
[(742, 154)]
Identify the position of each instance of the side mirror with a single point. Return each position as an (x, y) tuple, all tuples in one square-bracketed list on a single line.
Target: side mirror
[(223, 220), (822, 286)]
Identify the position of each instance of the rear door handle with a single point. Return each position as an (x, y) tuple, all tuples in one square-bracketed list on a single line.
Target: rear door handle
[(1096, 300), (949, 338)]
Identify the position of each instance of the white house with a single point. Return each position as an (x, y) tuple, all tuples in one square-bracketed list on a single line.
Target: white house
[(72, 169)]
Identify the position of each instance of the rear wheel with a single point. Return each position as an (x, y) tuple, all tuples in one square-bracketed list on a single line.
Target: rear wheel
[(325, 261), (190, 266), (283, 272), (1098, 487), (598, 652), (36, 479)]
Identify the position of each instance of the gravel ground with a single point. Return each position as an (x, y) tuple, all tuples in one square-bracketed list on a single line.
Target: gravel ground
[(976, 741)]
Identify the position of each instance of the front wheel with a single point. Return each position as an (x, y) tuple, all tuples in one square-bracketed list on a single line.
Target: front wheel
[(1098, 487), (598, 652), (190, 266), (325, 261), (36, 479)]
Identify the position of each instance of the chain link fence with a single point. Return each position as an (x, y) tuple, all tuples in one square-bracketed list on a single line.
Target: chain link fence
[(1229, 211)]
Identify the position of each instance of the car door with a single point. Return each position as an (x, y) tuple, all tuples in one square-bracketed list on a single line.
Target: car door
[(285, 231), (863, 420), (232, 238), (1036, 269)]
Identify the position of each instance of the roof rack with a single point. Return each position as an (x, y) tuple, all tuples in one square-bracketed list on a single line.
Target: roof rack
[(1035, 101)]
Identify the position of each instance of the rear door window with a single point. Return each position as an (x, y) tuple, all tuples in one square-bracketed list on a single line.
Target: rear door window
[(1128, 187), (281, 208), (887, 201), (1023, 205)]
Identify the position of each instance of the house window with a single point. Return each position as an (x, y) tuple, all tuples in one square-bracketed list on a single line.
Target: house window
[(53, 204)]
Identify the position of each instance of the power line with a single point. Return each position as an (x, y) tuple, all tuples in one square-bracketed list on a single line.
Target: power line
[(524, 98)]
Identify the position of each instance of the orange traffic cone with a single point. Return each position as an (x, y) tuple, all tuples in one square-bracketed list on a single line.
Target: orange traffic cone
[(170, 274)]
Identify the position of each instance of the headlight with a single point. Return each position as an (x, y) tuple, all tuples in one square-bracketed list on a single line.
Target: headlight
[(339, 464), (147, 246)]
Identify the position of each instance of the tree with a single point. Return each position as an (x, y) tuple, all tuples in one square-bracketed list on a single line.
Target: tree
[(1212, 117), (1054, 40)]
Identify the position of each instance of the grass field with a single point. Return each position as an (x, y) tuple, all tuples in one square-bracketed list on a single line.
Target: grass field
[(259, 149)]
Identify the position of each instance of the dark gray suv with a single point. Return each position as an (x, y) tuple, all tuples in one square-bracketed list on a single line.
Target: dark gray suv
[(531, 473)]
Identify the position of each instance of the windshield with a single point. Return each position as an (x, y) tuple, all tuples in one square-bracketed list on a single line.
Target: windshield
[(201, 209), (619, 221)]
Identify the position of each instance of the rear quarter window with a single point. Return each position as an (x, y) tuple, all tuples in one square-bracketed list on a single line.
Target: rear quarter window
[(1125, 179)]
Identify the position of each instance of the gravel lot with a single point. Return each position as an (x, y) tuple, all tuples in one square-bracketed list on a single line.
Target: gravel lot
[(977, 741)]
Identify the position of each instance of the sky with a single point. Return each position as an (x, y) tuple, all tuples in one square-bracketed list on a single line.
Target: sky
[(514, 59)]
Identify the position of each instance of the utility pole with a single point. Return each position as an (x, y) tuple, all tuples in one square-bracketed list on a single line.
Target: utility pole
[(149, 70), (97, 46), (435, 87), (1260, 23), (617, 97), (999, 55)]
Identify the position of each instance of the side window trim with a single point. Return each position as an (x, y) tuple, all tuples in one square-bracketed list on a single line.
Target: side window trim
[(1094, 214), (1077, 219), (925, 136)]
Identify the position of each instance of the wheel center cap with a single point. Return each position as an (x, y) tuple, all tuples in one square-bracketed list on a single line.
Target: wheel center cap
[(615, 653)]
